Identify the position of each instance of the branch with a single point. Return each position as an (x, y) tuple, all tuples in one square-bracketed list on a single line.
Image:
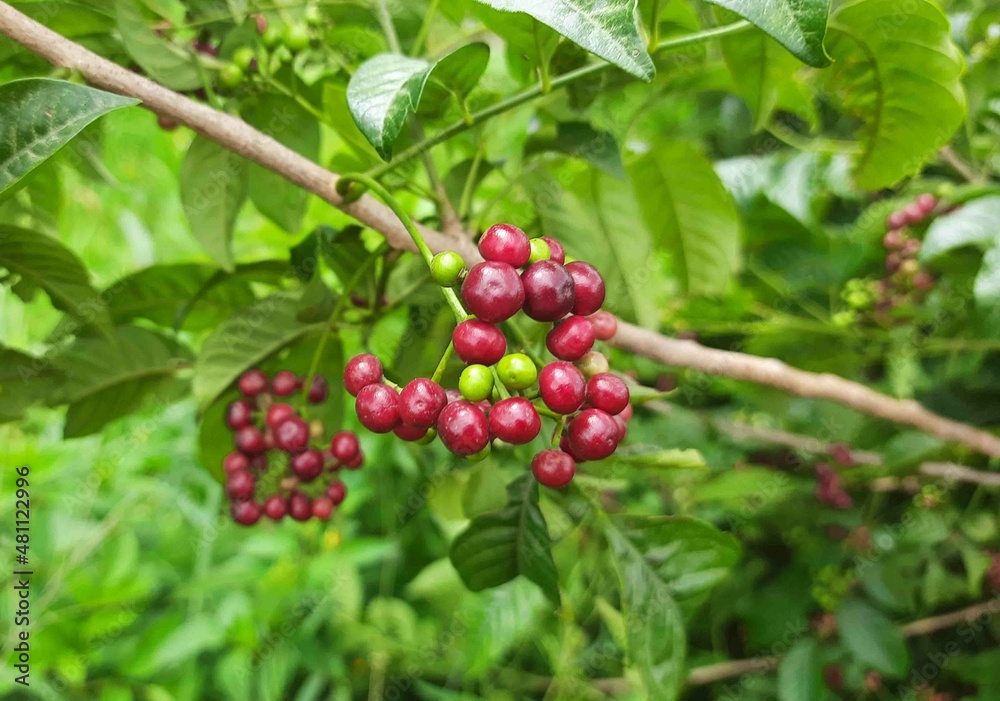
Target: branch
[(241, 138)]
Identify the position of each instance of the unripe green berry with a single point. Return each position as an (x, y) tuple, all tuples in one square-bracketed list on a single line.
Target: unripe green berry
[(243, 57), (230, 75), (481, 455), (296, 37), (593, 363), (313, 16), (428, 437), (476, 383), (446, 268), (271, 36), (539, 251), (517, 371)]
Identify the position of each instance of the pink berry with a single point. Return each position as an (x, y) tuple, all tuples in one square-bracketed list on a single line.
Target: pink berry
[(493, 291), (240, 485), (593, 435), (608, 393), (514, 421), (249, 440), (556, 250), (548, 291), (463, 428), (344, 446), (505, 243), (562, 386), (292, 435), (589, 287), (318, 390), (605, 325), (378, 408), (570, 338), (322, 508), (914, 213), (337, 492), (361, 371), (308, 465), (553, 468), (420, 402), (245, 512), (252, 383), (239, 414), (477, 342), (926, 202), (284, 383), (278, 414), (275, 507), (896, 220), (627, 412), (234, 462)]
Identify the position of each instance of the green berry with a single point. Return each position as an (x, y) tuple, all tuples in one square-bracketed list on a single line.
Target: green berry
[(313, 16), (539, 251), (517, 371), (481, 455), (476, 383), (271, 36), (428, 437), (296, 37), (230, 75), (446, 268), (243, 57)]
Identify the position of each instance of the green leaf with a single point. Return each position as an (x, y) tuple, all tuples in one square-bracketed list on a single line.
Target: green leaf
[(666, 458), (24, 380), (43, 262), (213, 188), (688, 211), (38, 116), (497, 547), (972, 224), (107, 379), (987, 285), (890, 66), (872, 638), (607, 28), (580, 140), (274, 196), (799, 25), (164, 61), (459, 72), (343, 250), (800, 674)]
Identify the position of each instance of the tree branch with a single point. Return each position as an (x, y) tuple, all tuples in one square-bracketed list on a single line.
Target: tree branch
[(243, 139)]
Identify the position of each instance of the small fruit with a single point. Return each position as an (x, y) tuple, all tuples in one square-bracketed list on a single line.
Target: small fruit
[(892, 240), (271, 36), (593, 363), (296, 37), (239, 414), (308, 465), (420, 403), (478, 342), (556, 250), (361, 371), (410, 434), (562, 387), (299, 506), (243, 57), (235, 462), (446, 268), (292, 435), (252, 383), (608, 393), (319, 389), (463, 428), (377, 407), (476, 383), (245, 512), (337, 492), (553, 468), (926, 203), (249, 440), (517, 371), (284, 383), (344, 447), (278, 414), (505, 243), (593, 435), (492, 291), (322, 508), (240, 485), (539, 250), (588, 286), (275, 507), (548, 291), (261, 22), (605, 325), (514, 421), (230, 75), (570, 338), (896, 220)]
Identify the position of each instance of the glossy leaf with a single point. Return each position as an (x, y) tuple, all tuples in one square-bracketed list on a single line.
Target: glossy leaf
[(164, 61), (38, 116), (497, 547), (799, 25), (872, 638)]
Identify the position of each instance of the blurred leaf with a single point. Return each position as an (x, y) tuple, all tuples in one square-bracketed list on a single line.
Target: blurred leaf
[(165, 62), (973, 224), (24, 380), (38, 116), (344, 251), (580, 140), (799, 25), (497, 547), (800, 674), (339, 114), (666, 458), (873, 640)]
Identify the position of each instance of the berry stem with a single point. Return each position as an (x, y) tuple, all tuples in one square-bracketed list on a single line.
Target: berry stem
[(557, 433), (545, 411), (498, 383), (443, 363)]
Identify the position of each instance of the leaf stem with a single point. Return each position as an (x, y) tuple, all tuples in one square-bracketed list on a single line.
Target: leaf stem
[(425, 27), (470, 185), (654, 26), (557, 433), (543, 65), (498, 383), (385, 21), (443, 363)]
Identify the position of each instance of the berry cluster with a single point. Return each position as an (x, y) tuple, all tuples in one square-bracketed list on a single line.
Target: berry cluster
[(500, 395), (262, 427), (829, 488)]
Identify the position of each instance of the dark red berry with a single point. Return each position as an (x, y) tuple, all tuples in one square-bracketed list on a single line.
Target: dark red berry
[(607, 392), (492, 291), (299, 506), (605, 325), (477, 342), (235, 461), (275, 507), (570, 338), (318, 390), (556, 250), (250, 441), (239, 485), (463, 428), (409, 433), (269, 440), (923, 281), (292, 435), (239, 414), (593, 435), (562, 386), (337, 491), (278, 414), (322, 508), (345, 447), (515, 421), (564, 447), (361, 371), (420, 402), (252, 383), (553, 468), (378, 408), (548, 291), (308, 465), (505, 243), (356, 463), (284, 383), (245, 512), (588, 286), (259, 462)]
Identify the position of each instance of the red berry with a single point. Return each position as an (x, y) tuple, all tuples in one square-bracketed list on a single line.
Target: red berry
[(259, 462), (284, 383), (235, 461), (269, 440), (477, 342), (239, 414), (553, 468), (420, 402), (593, 435), (409, 433), (299, 506), (505, 243), (593, 363), (463, 428), (564, 447), (337, 491), (892, 240), (570, 338), (249, 440), (562, 387), (914, 213), (556, 250), (361, 371), (453, 395), (896, 220), (345, 447), (492, 291), (252, 383), (548, 291), (245, 512), (378, 408), (605, 325), (292, 435), (622, 427), (275, 507), (926, 202), (515, 421), (308, 465), (322, 508), (278, 414), (239, 485), (627, 412), (589, 287), (318, 390), (923, 281), (356, 463), (608, 393)]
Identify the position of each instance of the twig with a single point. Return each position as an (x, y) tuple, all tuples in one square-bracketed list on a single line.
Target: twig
[(948, 155)]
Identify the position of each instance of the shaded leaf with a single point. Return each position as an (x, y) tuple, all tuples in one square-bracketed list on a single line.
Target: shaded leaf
[(973, 224), (872, 638), (24, 380), (164, 61), (799, 25), (580, 140), (800, 674)]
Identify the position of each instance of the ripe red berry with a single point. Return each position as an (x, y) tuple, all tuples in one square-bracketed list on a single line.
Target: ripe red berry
[(896, 220), (249, 440), (564, 447), (337, 491), (492, 291), (514, 421), (292, 435), (605, 325), (608, 393), (408, 433), (505, 243), (914, 213), (570, 338), (235, 461), (556, 250), (593, 435), (245, 512), (322, 508), (259, 462), (278, 414), (627, 412), (252, 383), (284, 383), (318, 390), (926, 202), (361, 371), (275, 507), (308, 465), (923, 281), (622, 427), (562, 386), (548, 291), (356, 463), (239, 414), (299, 506), (463, 428), (553, 468), (378, 408), (478, 342), (420, 402), (345, 447), (239, 485), (588, 285), (453, 395)]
